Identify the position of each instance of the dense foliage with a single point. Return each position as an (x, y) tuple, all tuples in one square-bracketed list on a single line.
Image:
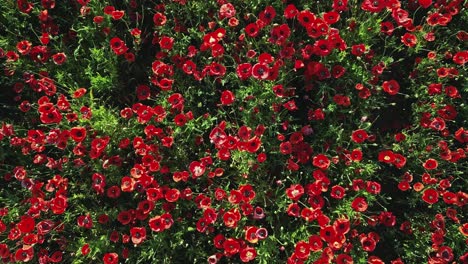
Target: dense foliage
[(184, 131)]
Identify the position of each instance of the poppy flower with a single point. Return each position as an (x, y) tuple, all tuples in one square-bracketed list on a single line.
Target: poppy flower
[(78, 134), (409, 40), (358, 50), (85, 249), (430, 196), (247, 254), (197, 169), (430, 164), (231, 246), (166, 43), (85, 221), (331, 17), (302, 250), (337, 192), (24, 47), (295, 191), (110, 258), (373, 6), (290, 11), (27, 224), (359, 204), (24, 254), (306, 18), (260, 71), (391, 87), (425, 3), (321, 161), (159, 19), (227, 97), (138, 235), (359, 136), (386, 156)]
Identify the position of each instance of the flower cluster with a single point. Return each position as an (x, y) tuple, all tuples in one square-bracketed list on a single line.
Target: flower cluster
[(233, 131)]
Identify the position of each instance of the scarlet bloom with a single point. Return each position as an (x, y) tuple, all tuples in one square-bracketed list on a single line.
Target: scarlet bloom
[(425, 3), (78, 134), (358, 50), (359, 136), (386, 156), (430, 164), (85, 250), (79, 93), (391, 87), (260, 71), (409, 40), (85, 221), (27, 224), (359, 204), (138, 234), (166, 43), (118, 46), (247, 254), (321, 161), (295, 191), (159, 19), (111, 258), (430, 196), (302, 250), (24, 255), (231, 246), (337, 192), (227, 97)]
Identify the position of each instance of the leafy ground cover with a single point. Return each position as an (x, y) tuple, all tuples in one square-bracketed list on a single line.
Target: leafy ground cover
[(182, 131)]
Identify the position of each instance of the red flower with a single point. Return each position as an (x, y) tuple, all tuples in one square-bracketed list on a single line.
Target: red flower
[(302, 250), (340, 5), (166, 43), (425, 3), (78, 134), (85, 221), (24, 47), (430, 164), (331, 17), (359, 204), (231, 246), (24, 254), (227, 97), (267, 15), (337, 192), (118, 46), (247, 254), (138, 234), (197, 169), (374, 6), (159, 19), (156, 224), (306, 18), (358, 50), (321, 161), (391, 87), (58, 204), (359, 136), (290, 11), (244, 71), (111, 258), (260, 71), (386, 156), (409, 40), (295, 191), (85, 250), (27, 224), (430, 196)]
